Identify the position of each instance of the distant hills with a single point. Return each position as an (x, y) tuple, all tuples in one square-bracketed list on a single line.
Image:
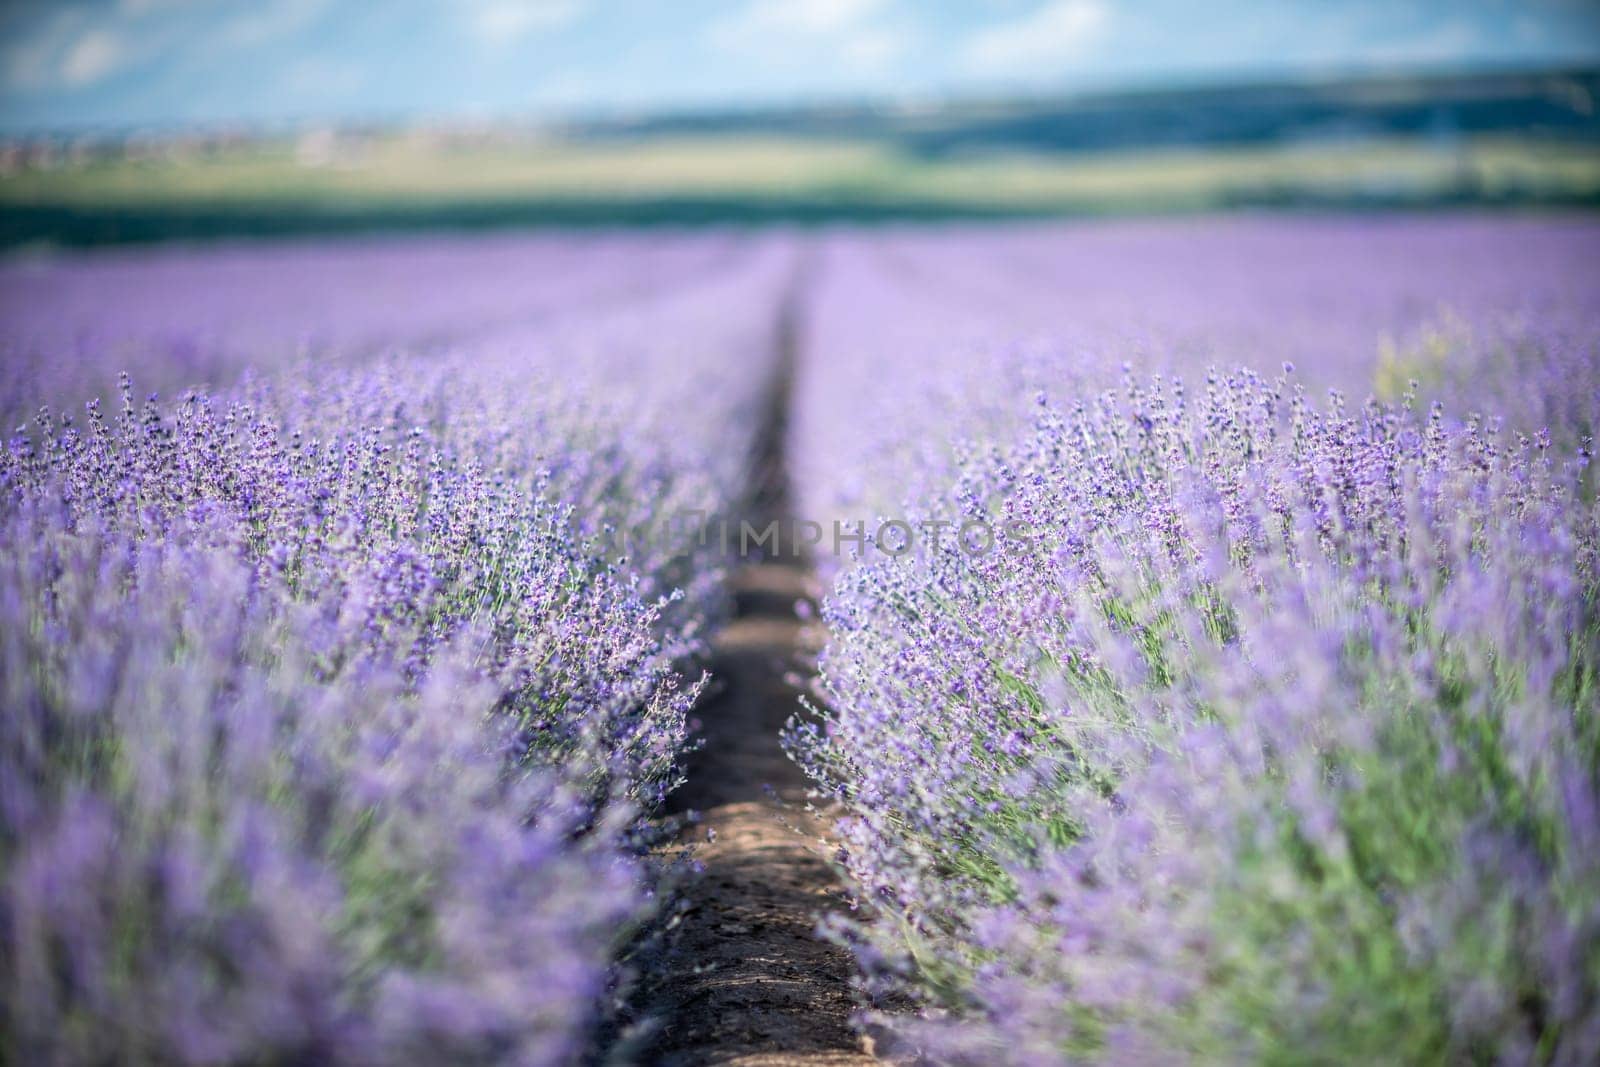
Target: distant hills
[(1560, 104), (1512, 139)]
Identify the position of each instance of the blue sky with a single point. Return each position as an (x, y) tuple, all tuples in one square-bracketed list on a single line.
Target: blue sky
[(118, 63)]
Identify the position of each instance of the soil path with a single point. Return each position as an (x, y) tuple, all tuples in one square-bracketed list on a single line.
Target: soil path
[(743, 978)]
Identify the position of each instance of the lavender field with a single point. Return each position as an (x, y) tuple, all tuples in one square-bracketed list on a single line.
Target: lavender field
[(1206, 662)]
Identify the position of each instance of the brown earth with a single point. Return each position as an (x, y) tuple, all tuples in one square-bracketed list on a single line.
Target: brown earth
[(743, 978), (739, 976)]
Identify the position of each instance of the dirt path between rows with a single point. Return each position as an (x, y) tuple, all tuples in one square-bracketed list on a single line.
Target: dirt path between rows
[(742, 977), (744, 980)]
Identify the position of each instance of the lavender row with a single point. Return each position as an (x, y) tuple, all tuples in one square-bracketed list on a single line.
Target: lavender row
[(923, 340), (185, 316), (326, 739), (1275, 739)]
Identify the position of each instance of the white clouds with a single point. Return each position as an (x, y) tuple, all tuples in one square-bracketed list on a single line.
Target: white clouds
[(853, 32), (31, 62), (807, 16), (146, 7), (69, 50), (316, 77), (501, 22), (1039, 42), (1444, 43), (873, 47), (92, 57), (270, 21), (78, 48)]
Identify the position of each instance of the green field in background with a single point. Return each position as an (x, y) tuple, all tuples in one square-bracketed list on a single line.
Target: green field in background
[(318, 182)]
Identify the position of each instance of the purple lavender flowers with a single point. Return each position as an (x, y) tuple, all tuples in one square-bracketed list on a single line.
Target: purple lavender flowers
[(330, 726), (1261, 726), (1277, 738)]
